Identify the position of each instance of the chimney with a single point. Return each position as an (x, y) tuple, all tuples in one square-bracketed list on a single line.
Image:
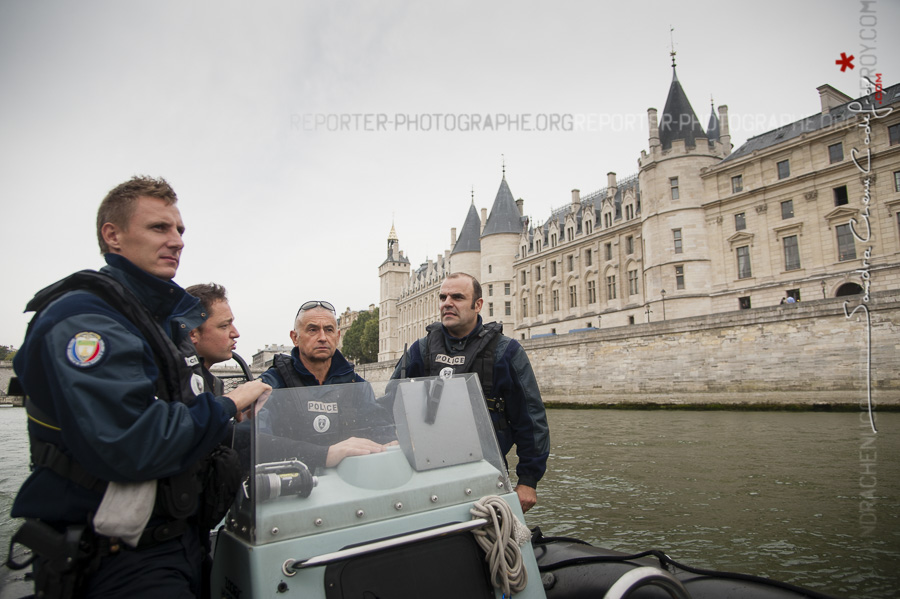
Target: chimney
[(654, 128), (611, 186), (520, 204), (483, 218), (724, 131), (576, 198), (830, 97), (452, 238)]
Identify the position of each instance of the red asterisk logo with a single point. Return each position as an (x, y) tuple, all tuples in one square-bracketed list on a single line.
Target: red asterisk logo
[(845, 61)]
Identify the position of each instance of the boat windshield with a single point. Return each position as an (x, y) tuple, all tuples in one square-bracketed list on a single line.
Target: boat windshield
[(432, 442)]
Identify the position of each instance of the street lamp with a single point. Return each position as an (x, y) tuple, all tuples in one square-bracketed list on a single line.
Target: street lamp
[(663, 294)]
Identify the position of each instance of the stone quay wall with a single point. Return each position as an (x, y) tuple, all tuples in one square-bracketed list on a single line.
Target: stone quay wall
[(803, 354), (6, 373)]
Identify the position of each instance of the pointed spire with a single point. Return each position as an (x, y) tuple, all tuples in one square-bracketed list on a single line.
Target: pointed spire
[(470, 235), (504, 217), (679, 121), (712, 128), (393, 247), (503, 160)]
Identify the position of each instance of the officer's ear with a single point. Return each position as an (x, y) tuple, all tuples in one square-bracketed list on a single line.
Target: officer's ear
[(111, 233), (195, 336), (478, 303)]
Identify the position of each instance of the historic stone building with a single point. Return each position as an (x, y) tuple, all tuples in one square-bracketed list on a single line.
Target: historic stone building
[(808, 210)]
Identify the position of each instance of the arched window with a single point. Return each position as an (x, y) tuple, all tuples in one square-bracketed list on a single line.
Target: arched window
[(848, 289)]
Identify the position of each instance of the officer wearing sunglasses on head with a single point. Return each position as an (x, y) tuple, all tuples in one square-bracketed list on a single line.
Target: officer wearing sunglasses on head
[(315, 360)]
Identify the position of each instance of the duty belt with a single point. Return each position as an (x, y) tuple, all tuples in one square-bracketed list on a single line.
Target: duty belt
[(151, 537)]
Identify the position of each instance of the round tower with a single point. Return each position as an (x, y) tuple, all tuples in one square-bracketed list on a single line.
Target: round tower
[(673, 230), (499, 246)]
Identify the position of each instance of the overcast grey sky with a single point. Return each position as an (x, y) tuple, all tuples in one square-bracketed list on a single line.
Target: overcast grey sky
[(221, 98)]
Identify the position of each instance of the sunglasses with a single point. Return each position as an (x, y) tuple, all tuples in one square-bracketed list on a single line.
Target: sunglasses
[(315, 304)]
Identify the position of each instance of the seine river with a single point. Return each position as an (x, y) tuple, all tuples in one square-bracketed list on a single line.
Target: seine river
[(809, 498)]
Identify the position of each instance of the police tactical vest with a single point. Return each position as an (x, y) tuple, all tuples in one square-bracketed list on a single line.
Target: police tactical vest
[(477, 356), (179, 366), (180, 379), (317, 421), (285, 366)]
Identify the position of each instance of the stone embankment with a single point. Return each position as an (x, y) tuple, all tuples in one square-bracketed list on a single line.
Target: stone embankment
[(6, 373), (806, 355)]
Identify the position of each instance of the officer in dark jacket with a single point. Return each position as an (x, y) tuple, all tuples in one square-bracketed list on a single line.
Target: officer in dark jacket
[(462, 342), (332, 425), (118, 419), (215, 339)]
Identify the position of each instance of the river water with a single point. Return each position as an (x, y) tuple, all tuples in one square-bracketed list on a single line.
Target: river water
[(810, 498)]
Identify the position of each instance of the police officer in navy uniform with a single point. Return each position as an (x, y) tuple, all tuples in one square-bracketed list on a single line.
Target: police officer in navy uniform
[(331, 421), (461, 341), (215, 339), (118, 418)]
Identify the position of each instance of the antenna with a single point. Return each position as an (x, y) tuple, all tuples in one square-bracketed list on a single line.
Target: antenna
[(672, 41)]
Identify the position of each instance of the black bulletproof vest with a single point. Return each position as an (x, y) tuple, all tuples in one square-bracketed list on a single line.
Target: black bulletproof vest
[(477, 357), (285, 366), (180, 379), (177, 365)]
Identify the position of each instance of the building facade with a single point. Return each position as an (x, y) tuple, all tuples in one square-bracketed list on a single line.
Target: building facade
[(808, 210)]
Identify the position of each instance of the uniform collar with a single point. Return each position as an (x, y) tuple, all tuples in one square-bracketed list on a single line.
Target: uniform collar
[(339, 365), (459, 343), (170, 305)]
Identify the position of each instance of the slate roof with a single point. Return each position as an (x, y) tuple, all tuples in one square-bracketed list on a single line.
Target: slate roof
[(678, 119), (400, 258), (504, 216), (890, 95), (712, 128), (594, 198), (469, 239)]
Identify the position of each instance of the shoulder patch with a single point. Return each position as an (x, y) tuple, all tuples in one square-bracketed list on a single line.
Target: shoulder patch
[(85, 349)]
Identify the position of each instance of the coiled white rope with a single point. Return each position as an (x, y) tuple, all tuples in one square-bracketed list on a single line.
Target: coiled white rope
[(500, 539)]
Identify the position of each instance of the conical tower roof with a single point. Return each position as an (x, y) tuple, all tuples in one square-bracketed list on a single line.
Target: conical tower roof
[(470, 236), (678, 119), (504, 217), (712, 129)]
